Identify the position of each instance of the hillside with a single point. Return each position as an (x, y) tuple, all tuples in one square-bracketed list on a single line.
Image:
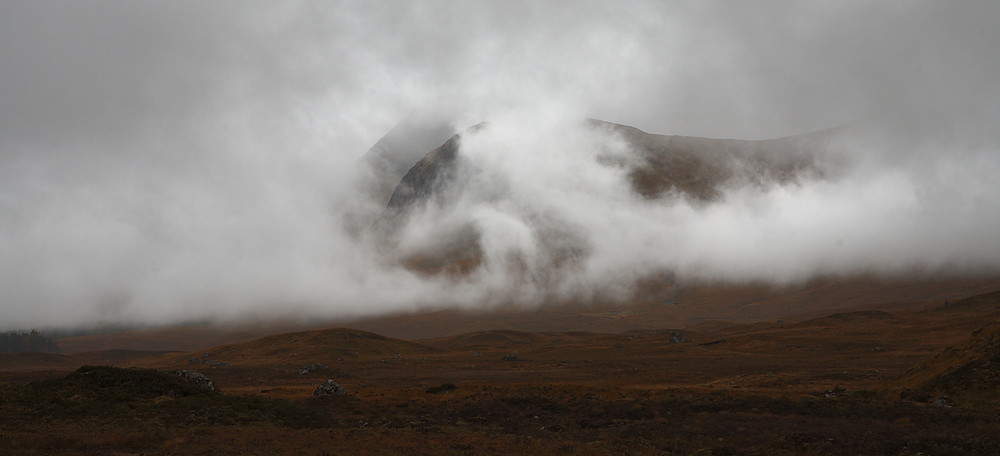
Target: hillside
[(966, 373)]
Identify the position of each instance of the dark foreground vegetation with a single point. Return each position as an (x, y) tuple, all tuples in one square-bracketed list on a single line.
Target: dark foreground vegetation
[(104, 410)]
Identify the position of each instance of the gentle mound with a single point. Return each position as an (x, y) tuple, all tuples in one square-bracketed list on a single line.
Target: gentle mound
[(322, 344)]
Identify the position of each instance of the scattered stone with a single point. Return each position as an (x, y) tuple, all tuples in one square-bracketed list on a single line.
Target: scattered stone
[(311, 368), (214, 363), (942, 402), (329, 388), (196, 378), (442, 388), (676, 338), (835, 393), (510, 357), (193, 360)]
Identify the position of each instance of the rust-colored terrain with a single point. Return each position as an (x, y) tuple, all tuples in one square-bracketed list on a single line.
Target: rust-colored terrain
[(900, 377)]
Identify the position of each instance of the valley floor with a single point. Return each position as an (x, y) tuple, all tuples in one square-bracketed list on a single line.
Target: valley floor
[(860, 382)]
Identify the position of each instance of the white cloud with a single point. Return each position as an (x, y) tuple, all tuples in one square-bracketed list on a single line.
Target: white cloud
[(175, 160)]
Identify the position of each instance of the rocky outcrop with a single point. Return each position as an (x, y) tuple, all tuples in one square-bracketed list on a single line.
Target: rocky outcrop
[(195, 377), (329, 388)]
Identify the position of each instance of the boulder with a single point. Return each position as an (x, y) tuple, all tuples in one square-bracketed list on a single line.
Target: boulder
[(329, 388)]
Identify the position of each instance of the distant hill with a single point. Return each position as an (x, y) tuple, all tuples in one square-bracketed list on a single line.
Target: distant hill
[(321, 345)]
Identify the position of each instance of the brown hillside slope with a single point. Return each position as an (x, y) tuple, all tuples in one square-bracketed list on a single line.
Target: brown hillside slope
[(967, 373)]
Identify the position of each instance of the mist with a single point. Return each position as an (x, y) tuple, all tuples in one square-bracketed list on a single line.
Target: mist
[(162, 162)]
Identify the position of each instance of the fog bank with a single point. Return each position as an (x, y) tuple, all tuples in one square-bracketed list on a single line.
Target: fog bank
[(171, 161)]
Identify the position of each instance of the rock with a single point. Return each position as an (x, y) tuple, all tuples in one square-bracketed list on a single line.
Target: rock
[(218, 363), (511, 357), (311, 368), (676, 337), (942, 402), (329, 388), (835, 393), (196, 378), (443, 388)]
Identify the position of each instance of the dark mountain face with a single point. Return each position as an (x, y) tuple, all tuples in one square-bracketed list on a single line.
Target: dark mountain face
[(419, 183), (693, 167), (659, 169), (396, 152)]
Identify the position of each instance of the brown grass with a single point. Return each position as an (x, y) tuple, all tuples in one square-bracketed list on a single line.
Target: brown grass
[(823, 385)]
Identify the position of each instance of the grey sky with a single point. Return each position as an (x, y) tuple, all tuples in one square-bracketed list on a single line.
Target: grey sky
[(161, 160)]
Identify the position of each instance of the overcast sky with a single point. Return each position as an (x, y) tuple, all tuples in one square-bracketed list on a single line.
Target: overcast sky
[(169, 160)]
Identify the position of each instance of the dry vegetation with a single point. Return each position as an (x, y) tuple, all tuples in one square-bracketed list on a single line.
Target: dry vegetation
[(858, 382)]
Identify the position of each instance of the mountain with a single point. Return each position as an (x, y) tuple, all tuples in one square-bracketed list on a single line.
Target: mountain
[(657, 167), (380, 169), (693, 166), (396, 152)]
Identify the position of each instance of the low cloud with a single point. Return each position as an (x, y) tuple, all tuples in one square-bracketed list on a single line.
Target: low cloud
[(556, 222), (166, 162)]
